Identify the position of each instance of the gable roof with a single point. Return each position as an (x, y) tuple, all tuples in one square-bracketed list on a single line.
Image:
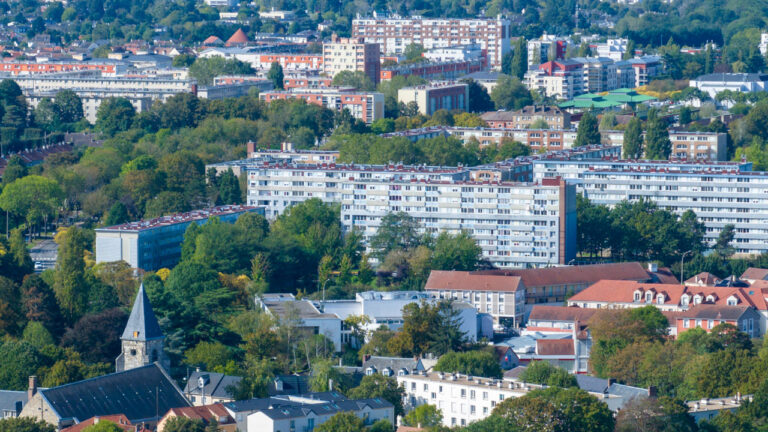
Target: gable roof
[(471, 281), (292, 384), (613, 291), (754, 273), (394, 363), (211, 40), (142, 324), (138, 393), (561, 313), (9, 399), (215, 386), (718, 312), (204, 413), (568, 275), (554, 347), (703, 278), (120, 420)]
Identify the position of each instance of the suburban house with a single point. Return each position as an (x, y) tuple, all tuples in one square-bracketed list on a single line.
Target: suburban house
[(139, 394), (506, 357), (557, 319), (12, 402), (204, 413), (706, 317), (204, 388)]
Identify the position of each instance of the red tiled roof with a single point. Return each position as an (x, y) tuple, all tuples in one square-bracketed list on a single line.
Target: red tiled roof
[(632, 271), (704, 278), (237, 37), (754, 273), (554, 347), (612, 291), (205, 413), (560, 313), (212, 40), (471, 281), (665, 276), (119, 419)]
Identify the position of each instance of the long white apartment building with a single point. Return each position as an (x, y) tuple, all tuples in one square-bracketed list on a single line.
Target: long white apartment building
[(395, 33), (719, 194), (515, 224)]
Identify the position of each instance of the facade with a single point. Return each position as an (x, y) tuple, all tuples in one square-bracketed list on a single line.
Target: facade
[(546, 48), (646, 68), (348, 54), (708, 409), (561, 79), (395, 33), (366, 106), (613, 49), (712, 84), (142, 339), (516, 224), (460, 53), (502, 297), (707, 317), (156, 243), (35, 68), (432, 97), (293, 81), (444, 70), (524, 118), (699, 146)]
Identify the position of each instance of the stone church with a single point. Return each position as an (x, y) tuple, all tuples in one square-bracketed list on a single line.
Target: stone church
[(142, 339)]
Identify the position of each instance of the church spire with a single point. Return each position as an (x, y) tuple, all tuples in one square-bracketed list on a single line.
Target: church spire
[(142, 324)]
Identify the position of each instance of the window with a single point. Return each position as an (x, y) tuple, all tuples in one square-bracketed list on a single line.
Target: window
[(648, 297), (472, 409), (638, 296), (463, 393), (485, 395), (472, 394), (686, 323)]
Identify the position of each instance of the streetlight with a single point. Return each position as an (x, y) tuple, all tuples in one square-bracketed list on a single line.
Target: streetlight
[(682, 264), (326, 281)]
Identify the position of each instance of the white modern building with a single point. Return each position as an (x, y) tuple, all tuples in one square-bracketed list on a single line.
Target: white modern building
[(394, 34), (156, 243), (454, 53), (613, 49), (712, 84), (515, 224)]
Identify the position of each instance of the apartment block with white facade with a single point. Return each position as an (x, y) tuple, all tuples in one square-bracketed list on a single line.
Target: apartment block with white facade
[(515, 224), (350, 54), (366, 106), (394, 34)]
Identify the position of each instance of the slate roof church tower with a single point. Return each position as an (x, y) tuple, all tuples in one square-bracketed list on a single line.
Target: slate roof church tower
[(142, 339)]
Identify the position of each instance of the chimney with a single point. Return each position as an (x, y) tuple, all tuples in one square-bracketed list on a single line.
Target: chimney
[(611, 381), (652, 391), (32, 389)]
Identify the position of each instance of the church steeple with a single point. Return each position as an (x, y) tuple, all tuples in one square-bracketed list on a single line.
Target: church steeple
[(142, 324), (142, 339)]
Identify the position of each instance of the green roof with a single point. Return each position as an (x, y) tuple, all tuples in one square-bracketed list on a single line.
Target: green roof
[(614, 98)]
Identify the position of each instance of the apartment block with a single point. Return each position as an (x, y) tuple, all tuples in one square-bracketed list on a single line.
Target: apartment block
[(351, 54), (515, 224), (366, 106), (525, 117), (613, 49), (714, 83), (546, 48), (701, 146), (35, 68), (455, 53), (432, 97), (444, 70), (156, 243), (561, 79), (396, 33)]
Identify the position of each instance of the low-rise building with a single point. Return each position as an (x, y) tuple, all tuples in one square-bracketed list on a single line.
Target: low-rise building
[(436, 96), (708, 409), (156, 243), (454, 53), (524, 118), (204, 388), (714, 83), (203, 413), (366, 106), (707, 317), (443, 70)]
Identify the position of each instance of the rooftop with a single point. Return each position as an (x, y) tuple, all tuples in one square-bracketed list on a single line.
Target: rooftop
[(471, 281), (569, 275), (194, 215)]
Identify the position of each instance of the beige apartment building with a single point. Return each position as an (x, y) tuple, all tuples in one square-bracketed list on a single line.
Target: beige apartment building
[(351, 54)]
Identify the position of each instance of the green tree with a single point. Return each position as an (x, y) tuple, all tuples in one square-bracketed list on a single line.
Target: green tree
[(118, 214), (25, 424), (70, 284), (69, 106), (724, 239), (37, 335), (276, 75), (14, 169), (455, 252), (519, 64), (588, 132), (19, 359), (20, 254), (657, 144), (427, 328), (685, 115), (477, 363), (205, 69), (183, 60), (114, 115), (479, 99), (324, 375), (229, 188), (379, 386), (184, 424), (342, 422), (211, 356), (633, 139), (413, 52), (425, 416), (654, 415), (356, 79), (33, 197), (543, 372), (103, 426), (396, 231), (557, 409), (11, 317), (510, 93)]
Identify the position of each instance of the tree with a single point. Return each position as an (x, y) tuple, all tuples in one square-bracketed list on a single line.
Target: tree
[(18, 359), (685, 115), (69, 282), (477, 363), (356, 79), (14, 169), (633, 139), (114, 115), (510, 93), (654, 415), (723, 243), (543, 372), (210, 356), (557, 409), (20, 255), (424, 416), (456, 252), (11, 318), (205, 69), (184, 424), (657, 144), (276, 75), (396, 231), (479, 99), (229, 188), (379, 386), (69, 106), (39, 303), (103, 426), (519, 65), (413, 52), (342, 422), (180, 110), (25, 424), (588, 132), (118, 214), (325, 376), (33, 197), (427, 328), (37, 335), (97, 336)]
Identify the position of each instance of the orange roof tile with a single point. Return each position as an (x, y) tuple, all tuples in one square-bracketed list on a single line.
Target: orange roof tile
[(704, 278), (569, 275), (471, 281), (238, 37), (754, 273), (554, 347), (119, 419)]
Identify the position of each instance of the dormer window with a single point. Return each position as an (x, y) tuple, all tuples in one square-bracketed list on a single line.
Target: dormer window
[(638, 295), (732, 301), (710, 298), (684, 300), (660, 299), (697, 299), (648, 297), (370, 371)]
